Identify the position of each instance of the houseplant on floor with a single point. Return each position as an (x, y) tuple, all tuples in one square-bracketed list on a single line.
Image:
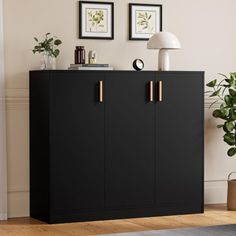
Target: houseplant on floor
[(225, 92), (49, 49)]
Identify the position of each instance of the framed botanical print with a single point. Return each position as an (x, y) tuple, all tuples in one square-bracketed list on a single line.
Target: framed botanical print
[(144, 20), (96, 20)]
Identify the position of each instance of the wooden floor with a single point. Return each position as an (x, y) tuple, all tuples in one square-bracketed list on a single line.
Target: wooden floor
[(214, 215)]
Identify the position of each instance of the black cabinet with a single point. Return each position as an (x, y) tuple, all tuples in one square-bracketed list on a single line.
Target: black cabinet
[(77, 143), (129, 140), (179, 141), (115, 144)]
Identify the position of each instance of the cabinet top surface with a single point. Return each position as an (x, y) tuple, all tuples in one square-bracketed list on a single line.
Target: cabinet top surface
[(112, 71)]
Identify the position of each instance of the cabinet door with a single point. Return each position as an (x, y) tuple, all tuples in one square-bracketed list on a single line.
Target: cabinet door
[(77, 142), (179, 138), (129, 140)]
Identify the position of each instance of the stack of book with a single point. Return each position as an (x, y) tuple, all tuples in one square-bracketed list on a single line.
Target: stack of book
[(90, 67)]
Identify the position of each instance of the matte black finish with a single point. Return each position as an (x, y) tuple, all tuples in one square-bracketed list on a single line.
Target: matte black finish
[(179, 141), (77, 142), (39, 145), (123, 157), (130, 141)]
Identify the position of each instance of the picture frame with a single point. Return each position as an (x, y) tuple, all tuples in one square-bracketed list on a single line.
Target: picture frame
[(96, 20), (144, 20)]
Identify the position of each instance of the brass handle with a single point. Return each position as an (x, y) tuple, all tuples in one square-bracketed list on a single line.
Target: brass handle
[(160, 93), (151, 91), (100, 91)]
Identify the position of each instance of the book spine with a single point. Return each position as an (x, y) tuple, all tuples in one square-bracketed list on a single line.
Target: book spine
[(90, 68), (89, 65)]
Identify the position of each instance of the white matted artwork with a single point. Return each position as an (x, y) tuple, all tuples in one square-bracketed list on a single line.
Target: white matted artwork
[(144, 20), (96, 20)]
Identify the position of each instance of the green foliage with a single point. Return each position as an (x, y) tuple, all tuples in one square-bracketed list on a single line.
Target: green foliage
[(231, 152), (48, 45), (225, 91), (212, 83)]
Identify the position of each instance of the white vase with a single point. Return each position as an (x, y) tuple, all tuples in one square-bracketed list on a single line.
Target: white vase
[(48, 62)]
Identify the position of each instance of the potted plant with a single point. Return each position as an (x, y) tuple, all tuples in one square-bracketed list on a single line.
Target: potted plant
[(225, 92), (49, 49)]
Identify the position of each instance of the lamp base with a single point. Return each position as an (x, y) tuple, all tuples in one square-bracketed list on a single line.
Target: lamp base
[(163, 60)]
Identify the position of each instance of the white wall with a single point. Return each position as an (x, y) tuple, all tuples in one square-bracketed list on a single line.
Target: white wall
[(206, 29)]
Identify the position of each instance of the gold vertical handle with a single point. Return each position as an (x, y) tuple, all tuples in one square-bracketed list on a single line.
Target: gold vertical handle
[(160, 92), (100, 91), (151, 91)]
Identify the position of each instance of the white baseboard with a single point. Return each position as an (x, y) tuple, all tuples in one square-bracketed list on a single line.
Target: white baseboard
[(3, 216), (18, 204), (215, 192)]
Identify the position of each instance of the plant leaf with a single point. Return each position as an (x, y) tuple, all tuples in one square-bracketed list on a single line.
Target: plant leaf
[(232, 92), (57, 42), (225, 111), (216, 113), (37, 47), (232, 114), (50, 40), (229, 126), (56, 52), (228, 100), (232, 82), (233, 75), (216, 93), (212, 83), (231, 152), (229, 138)]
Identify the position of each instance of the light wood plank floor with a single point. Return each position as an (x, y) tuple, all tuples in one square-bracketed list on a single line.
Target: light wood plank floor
[(214, 215)]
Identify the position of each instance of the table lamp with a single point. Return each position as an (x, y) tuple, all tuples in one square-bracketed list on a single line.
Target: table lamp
[(164, 41)]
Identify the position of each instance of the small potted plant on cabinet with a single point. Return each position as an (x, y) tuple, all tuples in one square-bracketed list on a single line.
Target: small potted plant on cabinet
[(49, 49)]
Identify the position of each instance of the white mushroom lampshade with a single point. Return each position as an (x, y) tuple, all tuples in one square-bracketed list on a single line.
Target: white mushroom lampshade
[(164, 41)]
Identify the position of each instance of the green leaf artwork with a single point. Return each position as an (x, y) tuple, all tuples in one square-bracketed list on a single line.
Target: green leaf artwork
[(96, 20), (144, 19), (225, 91)]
